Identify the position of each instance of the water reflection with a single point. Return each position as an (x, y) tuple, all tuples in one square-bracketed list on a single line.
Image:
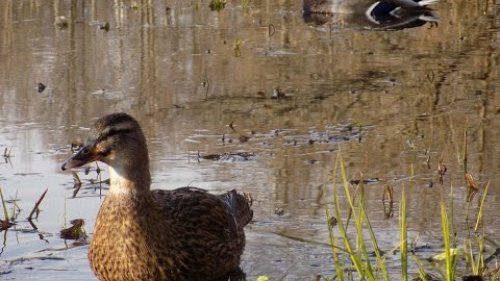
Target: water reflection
[(412, 92), (372, 14)]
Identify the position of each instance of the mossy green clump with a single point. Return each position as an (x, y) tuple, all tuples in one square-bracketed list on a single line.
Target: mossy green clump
[(217, 5)]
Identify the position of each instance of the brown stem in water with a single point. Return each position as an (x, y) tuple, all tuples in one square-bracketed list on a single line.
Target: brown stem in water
[(35, 208)]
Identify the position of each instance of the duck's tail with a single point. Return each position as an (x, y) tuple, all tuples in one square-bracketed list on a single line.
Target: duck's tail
[(240, 206)]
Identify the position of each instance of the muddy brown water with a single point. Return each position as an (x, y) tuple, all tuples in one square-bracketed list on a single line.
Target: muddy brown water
[(301, 92)]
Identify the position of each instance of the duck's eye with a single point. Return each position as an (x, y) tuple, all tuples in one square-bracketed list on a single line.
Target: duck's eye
[(105, 153), (85, 151)]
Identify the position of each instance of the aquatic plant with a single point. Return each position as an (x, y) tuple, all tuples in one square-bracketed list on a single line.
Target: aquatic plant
[(371, 265), (217, 5)]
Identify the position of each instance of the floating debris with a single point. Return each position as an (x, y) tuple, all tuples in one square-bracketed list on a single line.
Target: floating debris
[(271, 30), (441, 168), (41, 87), (231, 125), (75, 231), (6, 152), (279, 211), (441, 171), (364, 181), (104, 26), (5, 224), (61, 22), (237, 48), (278, 94), (217, 5), (106, 181), (243, 138), (233, 157)]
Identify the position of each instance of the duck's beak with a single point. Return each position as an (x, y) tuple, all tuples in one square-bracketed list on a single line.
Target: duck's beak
[(85, 155)]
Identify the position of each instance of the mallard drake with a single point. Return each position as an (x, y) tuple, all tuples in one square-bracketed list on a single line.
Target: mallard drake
[(385, 14), (142, 234)]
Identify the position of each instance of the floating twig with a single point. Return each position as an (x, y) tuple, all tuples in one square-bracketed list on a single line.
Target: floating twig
[(271, 29), (231, 125), (441, 170), (6, 152), (206, 85), (37, 204)]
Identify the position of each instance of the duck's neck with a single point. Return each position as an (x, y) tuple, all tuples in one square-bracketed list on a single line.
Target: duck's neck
[(129, 181)]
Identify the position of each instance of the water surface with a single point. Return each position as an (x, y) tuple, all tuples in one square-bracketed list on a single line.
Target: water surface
[(302, 93)]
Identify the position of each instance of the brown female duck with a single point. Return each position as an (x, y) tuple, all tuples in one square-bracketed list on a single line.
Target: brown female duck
[(142, 234)]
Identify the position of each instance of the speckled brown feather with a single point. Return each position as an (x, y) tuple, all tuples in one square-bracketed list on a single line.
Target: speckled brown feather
[(186, 234)]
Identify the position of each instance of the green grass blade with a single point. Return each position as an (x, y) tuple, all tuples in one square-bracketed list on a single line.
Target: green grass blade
[(339, 269), (355, 258), (479, 218), (403, 236), (449, 255), (361, 253), (380, 259)]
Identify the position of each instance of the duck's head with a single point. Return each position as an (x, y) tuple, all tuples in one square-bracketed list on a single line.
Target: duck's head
[(115, 139)]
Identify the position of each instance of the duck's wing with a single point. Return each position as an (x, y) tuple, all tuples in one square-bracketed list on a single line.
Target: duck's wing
[(207, 229), (412, 4), (197, 201)]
